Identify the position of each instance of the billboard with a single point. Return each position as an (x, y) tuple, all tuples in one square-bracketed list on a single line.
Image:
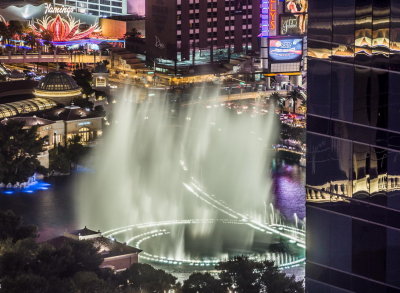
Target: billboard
[(285, 50), (292, 24), (296, 6)]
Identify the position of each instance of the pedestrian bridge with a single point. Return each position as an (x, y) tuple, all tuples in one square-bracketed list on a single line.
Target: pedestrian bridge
[(52, 58)]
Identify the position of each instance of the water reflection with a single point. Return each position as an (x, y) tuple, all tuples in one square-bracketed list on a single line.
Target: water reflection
[(52, 210)]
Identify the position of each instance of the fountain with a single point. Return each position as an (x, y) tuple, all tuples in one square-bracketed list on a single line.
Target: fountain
[(189, 185)]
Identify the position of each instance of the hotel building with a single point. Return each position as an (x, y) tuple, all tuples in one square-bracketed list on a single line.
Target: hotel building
[(196, 32), (353, 146), (97, 7)]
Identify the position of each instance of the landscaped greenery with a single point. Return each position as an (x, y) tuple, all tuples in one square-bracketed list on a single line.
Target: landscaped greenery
[(30, 267), (19, 149), (63, 159)]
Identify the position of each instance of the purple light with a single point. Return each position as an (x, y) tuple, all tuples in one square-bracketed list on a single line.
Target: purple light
[(264, 19)]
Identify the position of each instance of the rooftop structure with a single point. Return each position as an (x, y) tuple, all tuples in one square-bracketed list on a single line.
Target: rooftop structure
[(58, 86), (83, 234), (29, 121), (69, 113), (117, 256), (26, 106)]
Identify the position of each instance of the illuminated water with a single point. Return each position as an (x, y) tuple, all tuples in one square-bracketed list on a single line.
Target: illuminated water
[(195, 164), (166, 164)]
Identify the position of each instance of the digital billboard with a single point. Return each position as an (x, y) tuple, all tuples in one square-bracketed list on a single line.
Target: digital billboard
[(292, 24), (296, 6), (285, 50)]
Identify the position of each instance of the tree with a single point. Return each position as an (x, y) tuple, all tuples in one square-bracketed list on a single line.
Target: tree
[(273, 280), (64, 158), (295, 95), (201, 283), (11, 227), (5, 32), (19, 149), (27, 283), (59, 159), (145, 277), (15, 27), (134, 35), (291, 132), (83, 78), (83, 103), (240, 274), (246, 276), (277, 100), (89, 282), (30, 39)]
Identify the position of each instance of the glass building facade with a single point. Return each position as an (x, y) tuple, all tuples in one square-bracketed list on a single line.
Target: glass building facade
[(353, 141)]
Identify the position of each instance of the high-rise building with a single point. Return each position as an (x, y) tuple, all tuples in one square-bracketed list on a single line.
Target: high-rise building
[(201, 31), (97, 7), (353, 142)]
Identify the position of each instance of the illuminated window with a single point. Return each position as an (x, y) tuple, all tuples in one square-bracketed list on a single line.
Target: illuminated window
[(84, 133)]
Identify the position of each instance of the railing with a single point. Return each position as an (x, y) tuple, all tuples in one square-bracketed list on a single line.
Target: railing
[(41, 58)]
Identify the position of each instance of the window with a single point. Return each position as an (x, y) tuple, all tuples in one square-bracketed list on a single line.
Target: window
[(84, 133)]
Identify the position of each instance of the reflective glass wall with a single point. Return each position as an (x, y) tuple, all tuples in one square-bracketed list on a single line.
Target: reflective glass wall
[(353, 141)]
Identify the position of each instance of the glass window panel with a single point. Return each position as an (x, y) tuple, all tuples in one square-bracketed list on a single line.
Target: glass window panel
[(369, 250), (342, 91), (362, 95), (343, 30), (363, 32), (380, 34), (319, 85), (394, 101)]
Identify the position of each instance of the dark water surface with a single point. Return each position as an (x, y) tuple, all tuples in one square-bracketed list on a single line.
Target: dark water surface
[(52, 210)]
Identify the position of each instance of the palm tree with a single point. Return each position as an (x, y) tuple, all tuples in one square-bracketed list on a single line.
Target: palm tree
[(30, 39), (5, 32), (15, 29), (295, 95), (277, 100)]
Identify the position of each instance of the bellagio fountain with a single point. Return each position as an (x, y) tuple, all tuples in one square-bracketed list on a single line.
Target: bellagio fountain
[(188, 184)]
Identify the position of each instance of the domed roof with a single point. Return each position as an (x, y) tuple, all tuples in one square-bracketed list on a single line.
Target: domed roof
[(57, 81)]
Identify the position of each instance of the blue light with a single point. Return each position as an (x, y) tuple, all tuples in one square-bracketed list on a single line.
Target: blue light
[(8, 192), (33, 188)]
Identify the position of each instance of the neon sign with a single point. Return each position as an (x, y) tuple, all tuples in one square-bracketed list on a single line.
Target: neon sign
[(50, 9), (62, 29), (268, 18)]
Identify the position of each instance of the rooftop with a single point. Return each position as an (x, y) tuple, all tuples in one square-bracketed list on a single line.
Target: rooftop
[(106, 247), (29, 121), (19, 3), (56, 82), (25, 107), (84, 232), (69, 113)]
